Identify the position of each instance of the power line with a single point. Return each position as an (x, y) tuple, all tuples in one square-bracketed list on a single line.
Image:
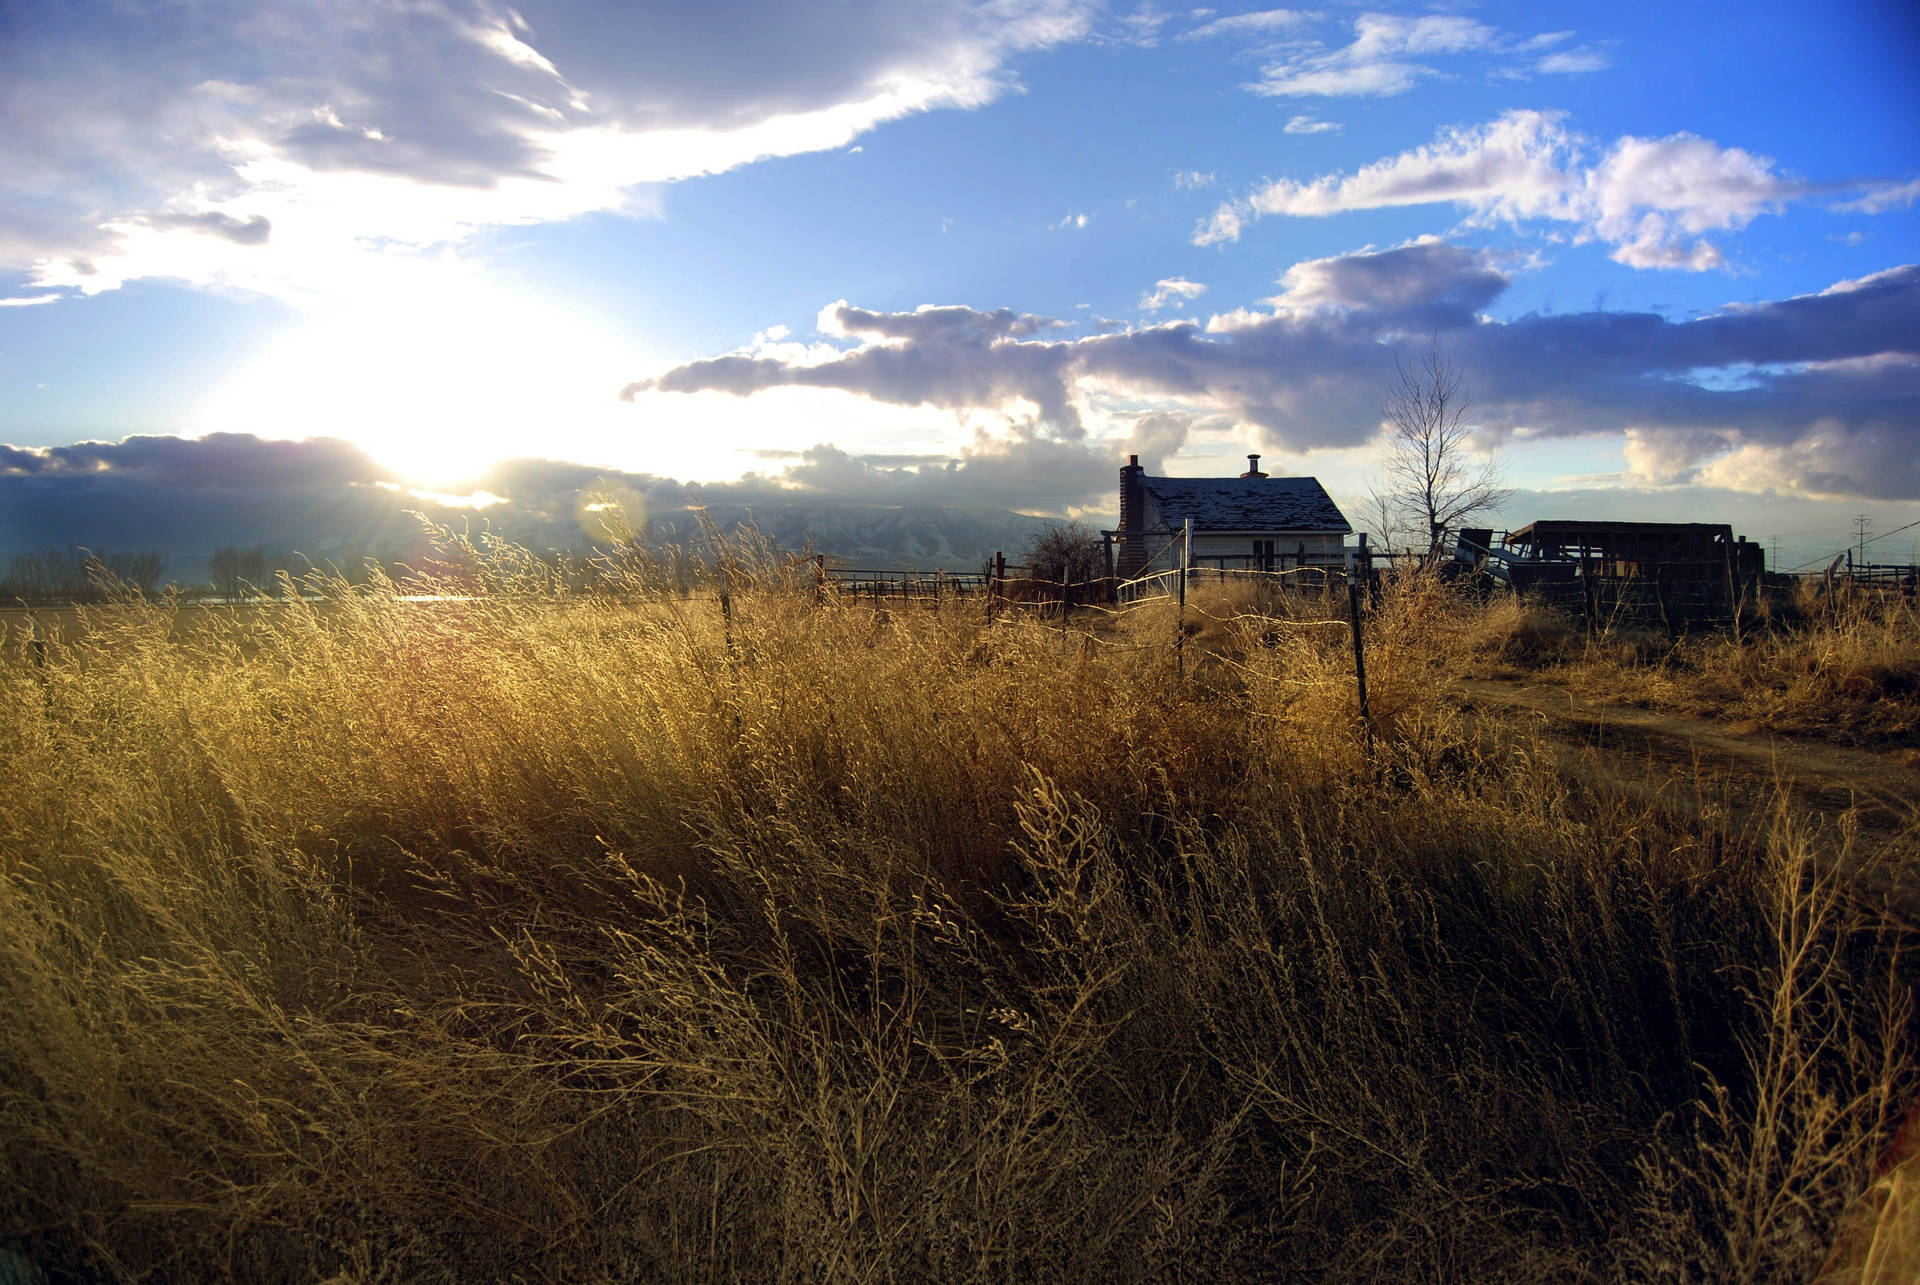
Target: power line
[(1813, 562), (1896, 531)]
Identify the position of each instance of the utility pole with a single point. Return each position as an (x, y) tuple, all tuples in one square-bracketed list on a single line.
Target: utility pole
[(1861, 525), (1774, 563)]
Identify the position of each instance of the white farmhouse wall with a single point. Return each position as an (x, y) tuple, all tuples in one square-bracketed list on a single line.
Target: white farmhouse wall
[(1286, 544), (1322, 549)]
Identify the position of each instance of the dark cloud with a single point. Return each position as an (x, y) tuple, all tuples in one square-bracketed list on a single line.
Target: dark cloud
[(325, 499), (322, 497), (1024, 472), (900, 461), (253, 231), (219, 460), (1828, 383), (946, 356), (947, 324), (1429, 284)]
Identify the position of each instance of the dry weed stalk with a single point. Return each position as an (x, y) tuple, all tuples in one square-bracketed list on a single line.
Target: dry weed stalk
[(540, 933)]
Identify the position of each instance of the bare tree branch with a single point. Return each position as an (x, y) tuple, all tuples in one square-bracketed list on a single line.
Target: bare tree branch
[(1380, 512), (1431, 474)]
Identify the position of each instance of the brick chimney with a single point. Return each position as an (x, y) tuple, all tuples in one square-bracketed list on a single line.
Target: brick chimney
[(1253, 467), (1133, 504)]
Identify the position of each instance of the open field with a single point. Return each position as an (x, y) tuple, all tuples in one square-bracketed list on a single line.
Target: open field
[(374, 939)]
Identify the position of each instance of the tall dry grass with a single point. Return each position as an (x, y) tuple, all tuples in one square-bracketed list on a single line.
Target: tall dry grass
[(603, 938), (1839, 665)]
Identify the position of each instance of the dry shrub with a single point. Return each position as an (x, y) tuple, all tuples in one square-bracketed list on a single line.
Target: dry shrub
[(1523, 634), (1841, 665), (606, 937)]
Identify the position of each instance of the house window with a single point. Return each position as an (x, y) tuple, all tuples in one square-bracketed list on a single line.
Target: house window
[(1263, 554)]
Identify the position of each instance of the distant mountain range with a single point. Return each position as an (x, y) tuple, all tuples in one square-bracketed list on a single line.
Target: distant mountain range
[(914, 537), (910, 537)]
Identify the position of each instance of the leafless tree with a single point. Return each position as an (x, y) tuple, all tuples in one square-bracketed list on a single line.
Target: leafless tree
[(1380, 512), (78, 575), (234, 571), (1432, 474)]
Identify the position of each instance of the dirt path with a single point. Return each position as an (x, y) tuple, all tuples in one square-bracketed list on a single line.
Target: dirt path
[(1645, 751)]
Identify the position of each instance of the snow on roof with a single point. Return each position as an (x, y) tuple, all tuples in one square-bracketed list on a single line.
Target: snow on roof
[(1245, 503)]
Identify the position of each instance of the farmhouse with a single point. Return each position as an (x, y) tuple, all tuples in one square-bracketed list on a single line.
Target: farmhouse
[(1252, 522)]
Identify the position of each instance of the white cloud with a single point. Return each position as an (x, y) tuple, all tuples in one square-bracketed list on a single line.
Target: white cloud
[(1223, 225), (1309, 125), (1517, 164), (1881, 197), (1573, 62), (28, 301), (1648, 195), (1191, 180), (1390, 54), (1651, 199), (264, 147), (1174, 290), (1262, 23), (1071, 222), (1380, 60), (1140, 28)]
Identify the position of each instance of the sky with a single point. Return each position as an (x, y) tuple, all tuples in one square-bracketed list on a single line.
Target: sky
[(260, 258)]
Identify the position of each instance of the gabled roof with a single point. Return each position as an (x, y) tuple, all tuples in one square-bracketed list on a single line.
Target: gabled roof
[(1245, 503)]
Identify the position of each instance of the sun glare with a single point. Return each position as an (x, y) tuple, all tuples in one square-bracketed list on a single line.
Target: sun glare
[(438, 381), (438, 376)]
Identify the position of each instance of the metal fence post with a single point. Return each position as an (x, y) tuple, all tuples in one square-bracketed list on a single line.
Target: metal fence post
[(1359, 658), (1180, 615)]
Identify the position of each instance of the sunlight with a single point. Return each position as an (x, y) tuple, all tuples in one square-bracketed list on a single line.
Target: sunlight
[(437, 378)]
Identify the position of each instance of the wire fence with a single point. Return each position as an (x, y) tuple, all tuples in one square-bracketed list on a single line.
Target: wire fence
[(1017, 598)]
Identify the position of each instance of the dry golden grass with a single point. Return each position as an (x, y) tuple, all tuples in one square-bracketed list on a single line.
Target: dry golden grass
[(1844, 668), (539, 937)]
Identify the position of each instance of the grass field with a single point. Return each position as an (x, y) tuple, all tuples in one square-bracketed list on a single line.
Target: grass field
[(576, 938)]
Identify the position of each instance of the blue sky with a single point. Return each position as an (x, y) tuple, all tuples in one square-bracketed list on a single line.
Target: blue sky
[(972, 254)]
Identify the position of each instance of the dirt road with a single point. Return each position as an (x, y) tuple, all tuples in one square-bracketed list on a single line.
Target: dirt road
[(1646, 751)]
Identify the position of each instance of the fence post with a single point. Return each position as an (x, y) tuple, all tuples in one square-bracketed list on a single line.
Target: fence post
[(726, 606), (1359, 659), (1586, 589), (1180, 615), (1734, 596)]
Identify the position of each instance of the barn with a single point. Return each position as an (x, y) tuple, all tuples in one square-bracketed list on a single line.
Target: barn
[(1252, 522)]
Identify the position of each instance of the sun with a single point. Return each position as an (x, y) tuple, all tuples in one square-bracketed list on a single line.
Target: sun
[(438, 379)]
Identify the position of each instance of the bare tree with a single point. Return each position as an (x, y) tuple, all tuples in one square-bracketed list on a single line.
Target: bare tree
[(234, 570), (1431, 472), (1380, 511)]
